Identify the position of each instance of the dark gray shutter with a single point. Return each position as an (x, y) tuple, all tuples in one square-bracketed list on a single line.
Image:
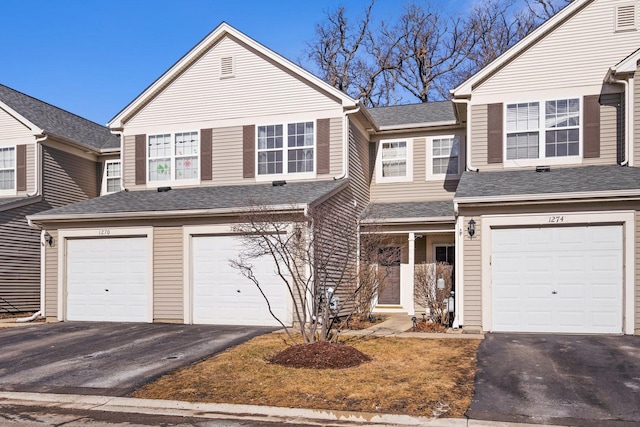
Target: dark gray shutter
[(206, 150), (141, 159), (21, 167), (591, 143), (324, 146), (248, 151), (494, 133)]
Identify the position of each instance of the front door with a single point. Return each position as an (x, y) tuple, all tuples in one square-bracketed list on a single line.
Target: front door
[(389, 294)]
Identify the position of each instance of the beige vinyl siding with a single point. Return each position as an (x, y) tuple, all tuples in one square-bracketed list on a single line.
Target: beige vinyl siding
[(472, 268), (359, 164), (337, 247), (611, 135), (259, 88), (637, 273), (636, 118), (479, 142), (51, 276), (336, 148), (168, 275), (19, 260), (11, 129), (129, 162), (577, 53), (421, 188), (68, 178)]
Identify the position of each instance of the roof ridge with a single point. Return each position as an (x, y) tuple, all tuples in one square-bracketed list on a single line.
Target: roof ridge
[(53, 106)]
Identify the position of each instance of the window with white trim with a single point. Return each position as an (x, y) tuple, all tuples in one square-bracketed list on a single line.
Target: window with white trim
[(394, 161), (274, 157), (553, 133), (173, 157), (112, 176), (445, 156), (7, 169)]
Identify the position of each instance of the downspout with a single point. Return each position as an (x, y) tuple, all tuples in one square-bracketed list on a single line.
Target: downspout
[(627, 115), (37, 179), (467, 137), (38, 313), (345, 145)]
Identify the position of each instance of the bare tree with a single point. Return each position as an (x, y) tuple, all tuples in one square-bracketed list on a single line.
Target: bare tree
[(427, 291), (545, 9), (433, 46)]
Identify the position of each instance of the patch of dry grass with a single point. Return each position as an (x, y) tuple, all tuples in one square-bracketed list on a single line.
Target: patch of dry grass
[(410, 376)]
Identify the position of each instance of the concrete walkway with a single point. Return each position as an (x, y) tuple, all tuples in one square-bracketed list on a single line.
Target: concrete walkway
[(397, 325)]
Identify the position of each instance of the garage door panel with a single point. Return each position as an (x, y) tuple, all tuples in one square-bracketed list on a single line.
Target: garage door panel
[(569, 279), (222, 295), (107, 279)]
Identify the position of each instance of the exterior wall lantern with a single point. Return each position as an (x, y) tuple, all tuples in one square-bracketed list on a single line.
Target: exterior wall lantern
[(48, 238), (471, 228)]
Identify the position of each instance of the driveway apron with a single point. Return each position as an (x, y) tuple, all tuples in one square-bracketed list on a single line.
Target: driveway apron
[(558, 379), (106, 358)]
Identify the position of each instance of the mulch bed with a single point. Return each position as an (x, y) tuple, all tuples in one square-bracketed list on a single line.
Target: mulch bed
[(320, 355), (429, 327)]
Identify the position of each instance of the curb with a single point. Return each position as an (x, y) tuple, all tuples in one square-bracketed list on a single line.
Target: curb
[(232, 411), (219, 410)]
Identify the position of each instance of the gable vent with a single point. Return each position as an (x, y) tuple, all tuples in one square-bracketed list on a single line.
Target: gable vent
[(226, 67), (626, 17)]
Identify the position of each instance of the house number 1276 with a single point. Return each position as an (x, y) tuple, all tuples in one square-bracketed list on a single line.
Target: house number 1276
[(556, 219)]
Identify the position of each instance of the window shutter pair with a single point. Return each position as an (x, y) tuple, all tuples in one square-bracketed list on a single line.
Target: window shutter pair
[(323, 148), (206, 141), (590, 129)]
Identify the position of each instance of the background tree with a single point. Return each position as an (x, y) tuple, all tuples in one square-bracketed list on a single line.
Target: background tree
[(423, 53)]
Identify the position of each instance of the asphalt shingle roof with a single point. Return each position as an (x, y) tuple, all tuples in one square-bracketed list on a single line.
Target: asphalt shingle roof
[(57, 121), (228, 197), (413, 114), (558, 180), (433, 209)]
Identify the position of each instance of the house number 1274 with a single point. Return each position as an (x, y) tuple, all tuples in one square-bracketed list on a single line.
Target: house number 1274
[(556, 219)]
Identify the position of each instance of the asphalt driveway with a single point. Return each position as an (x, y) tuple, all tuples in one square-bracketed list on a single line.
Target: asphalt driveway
[(106, 358), (558, 379)]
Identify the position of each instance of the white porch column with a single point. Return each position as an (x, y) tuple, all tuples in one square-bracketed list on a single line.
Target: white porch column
[(459, 248), (408, 301)]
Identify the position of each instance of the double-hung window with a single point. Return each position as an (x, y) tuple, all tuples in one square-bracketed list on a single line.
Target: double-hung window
[(112, 175), (173, 157), (286, 148), (394, 163), (7, 169), (553, 132), (445, 156)]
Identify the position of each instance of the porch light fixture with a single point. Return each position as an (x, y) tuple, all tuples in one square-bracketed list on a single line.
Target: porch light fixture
[(48, 238), (471, 229)]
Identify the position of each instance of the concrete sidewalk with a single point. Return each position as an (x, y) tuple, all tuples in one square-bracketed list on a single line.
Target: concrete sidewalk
[(397, 325), (124, 405)]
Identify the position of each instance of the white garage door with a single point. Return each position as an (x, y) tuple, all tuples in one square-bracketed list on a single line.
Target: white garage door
[(221, 295), (557, 279), (107, 280)]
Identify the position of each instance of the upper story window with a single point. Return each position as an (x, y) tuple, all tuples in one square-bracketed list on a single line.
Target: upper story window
[(173, 157), (7, 169), (394, 162), (112, 176), (553, 132), (445, 156), (297, 155)]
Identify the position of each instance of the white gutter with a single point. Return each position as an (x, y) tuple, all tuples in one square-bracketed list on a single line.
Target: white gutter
[(429, 219), (38, 171), (419, 126), (345, 145), (467, 138), (549, 197), (627, 115)]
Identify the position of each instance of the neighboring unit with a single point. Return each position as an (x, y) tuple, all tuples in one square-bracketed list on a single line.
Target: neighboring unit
[(48, 158), (553, 184)]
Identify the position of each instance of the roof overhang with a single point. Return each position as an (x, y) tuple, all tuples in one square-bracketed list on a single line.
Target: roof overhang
[(549, 198), (466, 88), (403, 221), (35, 130), (223, 30), (628, 65), (177, 214)]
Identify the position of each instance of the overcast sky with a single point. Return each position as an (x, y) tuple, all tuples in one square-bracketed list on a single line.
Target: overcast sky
[(92, 57)]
